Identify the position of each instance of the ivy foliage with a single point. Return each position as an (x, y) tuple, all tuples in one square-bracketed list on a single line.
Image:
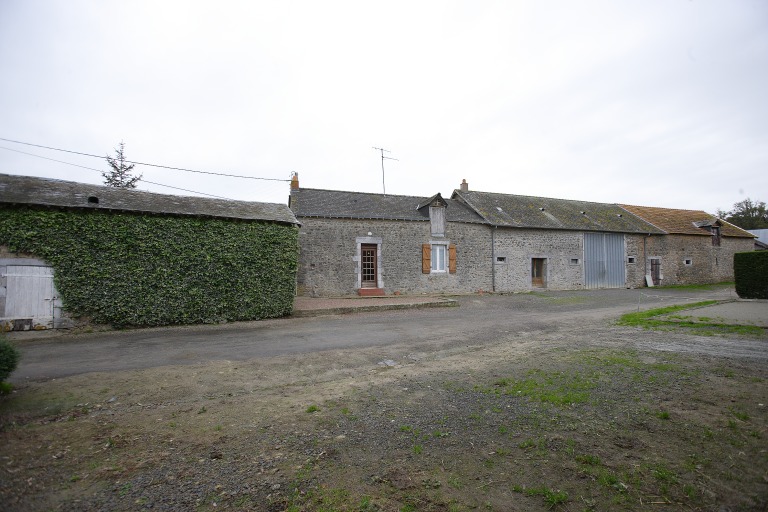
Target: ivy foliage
[(130, 269)]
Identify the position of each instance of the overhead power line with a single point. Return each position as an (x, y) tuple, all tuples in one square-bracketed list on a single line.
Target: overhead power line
[(92, 169), (144, 163)]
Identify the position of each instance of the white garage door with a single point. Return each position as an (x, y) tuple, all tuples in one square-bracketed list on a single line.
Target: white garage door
[(30, 293)]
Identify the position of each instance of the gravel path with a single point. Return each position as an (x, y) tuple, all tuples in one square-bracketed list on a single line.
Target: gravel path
[(487, 406)]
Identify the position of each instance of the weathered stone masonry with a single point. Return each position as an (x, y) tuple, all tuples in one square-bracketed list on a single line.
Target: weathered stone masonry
[(329, 248), (518, 247)]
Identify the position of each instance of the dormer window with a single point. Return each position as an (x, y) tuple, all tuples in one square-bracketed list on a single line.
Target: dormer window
[(437, 220), (436, 205)]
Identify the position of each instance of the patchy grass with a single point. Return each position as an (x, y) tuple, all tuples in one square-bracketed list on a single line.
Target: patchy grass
[(563, 428), (704, 326), (700, 287)]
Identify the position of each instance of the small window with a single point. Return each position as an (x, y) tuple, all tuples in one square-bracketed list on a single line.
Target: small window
[(631, 259), (574, 261), (501, 259), (438, 258), (688, 262)]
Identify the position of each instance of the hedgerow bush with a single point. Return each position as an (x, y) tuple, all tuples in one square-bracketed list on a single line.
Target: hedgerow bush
[(750, 271), (130, 269), (9, 358)]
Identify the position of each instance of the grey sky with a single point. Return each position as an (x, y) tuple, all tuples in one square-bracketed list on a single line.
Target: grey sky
[(658, 103)]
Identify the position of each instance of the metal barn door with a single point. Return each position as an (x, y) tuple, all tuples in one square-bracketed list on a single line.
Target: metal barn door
[(604, 260), (30, 293)]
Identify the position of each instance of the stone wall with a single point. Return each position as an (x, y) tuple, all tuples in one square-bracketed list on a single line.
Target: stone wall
[(329, 256), (563, 250), (691, 259)]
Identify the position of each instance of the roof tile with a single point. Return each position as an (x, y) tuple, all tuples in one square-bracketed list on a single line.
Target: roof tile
[(684, 222), (70, 194)]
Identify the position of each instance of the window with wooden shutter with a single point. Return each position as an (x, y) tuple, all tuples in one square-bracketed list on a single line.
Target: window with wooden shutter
[(452, 258), (426, 258)]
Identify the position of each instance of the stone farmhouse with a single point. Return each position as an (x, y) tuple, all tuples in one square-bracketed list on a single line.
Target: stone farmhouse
[(375, 244)]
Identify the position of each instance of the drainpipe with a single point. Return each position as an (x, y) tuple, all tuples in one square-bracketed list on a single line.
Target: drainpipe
[(493, 259), (646, 270)]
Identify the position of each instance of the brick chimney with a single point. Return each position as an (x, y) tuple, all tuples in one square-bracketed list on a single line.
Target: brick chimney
[(464, 186), (295, 181)]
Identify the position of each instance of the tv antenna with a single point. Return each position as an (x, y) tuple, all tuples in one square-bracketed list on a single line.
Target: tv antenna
[(382, 150)]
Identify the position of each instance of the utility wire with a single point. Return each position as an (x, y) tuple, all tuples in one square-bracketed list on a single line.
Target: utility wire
[(92, 169), (144, 163)]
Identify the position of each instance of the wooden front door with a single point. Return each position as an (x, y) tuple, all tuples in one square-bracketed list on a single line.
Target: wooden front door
[(538, 272), (30, 294), (656, 271), (368, 268)]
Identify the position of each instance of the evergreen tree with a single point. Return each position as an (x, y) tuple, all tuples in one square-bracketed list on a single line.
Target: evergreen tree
[(120, 174)]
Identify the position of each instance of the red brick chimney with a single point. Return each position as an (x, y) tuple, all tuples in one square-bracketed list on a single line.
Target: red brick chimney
[(464, 186), (295, 181)]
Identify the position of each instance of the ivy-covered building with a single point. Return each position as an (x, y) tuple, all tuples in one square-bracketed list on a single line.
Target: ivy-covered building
[(72, 251)]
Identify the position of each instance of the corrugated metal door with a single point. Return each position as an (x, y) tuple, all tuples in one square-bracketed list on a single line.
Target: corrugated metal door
[(604, 260), (30, 293)]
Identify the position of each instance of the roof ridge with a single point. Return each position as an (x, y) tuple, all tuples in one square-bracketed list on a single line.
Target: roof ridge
[(363, 193), (541, 197), (665, 208)]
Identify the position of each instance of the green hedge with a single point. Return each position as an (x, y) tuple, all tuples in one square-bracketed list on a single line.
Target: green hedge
[(750, 271), (140, 269)]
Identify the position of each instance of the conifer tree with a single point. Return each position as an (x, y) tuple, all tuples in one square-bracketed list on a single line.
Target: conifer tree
[(120, 173)]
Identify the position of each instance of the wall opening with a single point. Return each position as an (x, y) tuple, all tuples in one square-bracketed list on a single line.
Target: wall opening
[(539, 272)]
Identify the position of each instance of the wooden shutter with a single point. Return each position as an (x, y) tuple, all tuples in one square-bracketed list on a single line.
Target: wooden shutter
[(426, 258), (452, 258)]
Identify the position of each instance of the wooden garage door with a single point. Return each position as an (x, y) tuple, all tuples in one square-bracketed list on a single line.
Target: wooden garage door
[(30, 292)]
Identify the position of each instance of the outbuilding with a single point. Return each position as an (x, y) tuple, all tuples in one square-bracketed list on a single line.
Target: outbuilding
[(74, 252)]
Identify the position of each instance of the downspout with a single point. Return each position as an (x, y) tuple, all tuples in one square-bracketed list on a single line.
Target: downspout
[(493, 259), (646, 270)]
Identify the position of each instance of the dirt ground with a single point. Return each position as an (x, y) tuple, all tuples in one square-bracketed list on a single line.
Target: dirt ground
[(578, 414)]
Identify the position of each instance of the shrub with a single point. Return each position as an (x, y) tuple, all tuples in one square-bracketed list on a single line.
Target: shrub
[(9, 358), (750, 271)]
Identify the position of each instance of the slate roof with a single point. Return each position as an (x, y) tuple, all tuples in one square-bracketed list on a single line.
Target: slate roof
[(69, 194), (684, 222), (307, 202), (514, 211)]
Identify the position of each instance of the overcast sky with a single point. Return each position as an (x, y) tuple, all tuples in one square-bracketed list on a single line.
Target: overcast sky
[(657, 103)]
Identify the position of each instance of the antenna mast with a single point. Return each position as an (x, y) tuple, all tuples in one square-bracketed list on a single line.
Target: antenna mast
[(382, 150)]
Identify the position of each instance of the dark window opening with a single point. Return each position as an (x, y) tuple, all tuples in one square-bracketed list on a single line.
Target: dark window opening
[(93, 199), (631, 259), (716, 236), (501, 259), (574, 261), (689, 262)]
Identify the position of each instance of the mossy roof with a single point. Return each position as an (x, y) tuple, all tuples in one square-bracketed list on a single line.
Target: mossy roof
[(29, 190)]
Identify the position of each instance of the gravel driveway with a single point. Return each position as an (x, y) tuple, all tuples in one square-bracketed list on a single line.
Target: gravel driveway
[(484, 316), (521, 402)]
